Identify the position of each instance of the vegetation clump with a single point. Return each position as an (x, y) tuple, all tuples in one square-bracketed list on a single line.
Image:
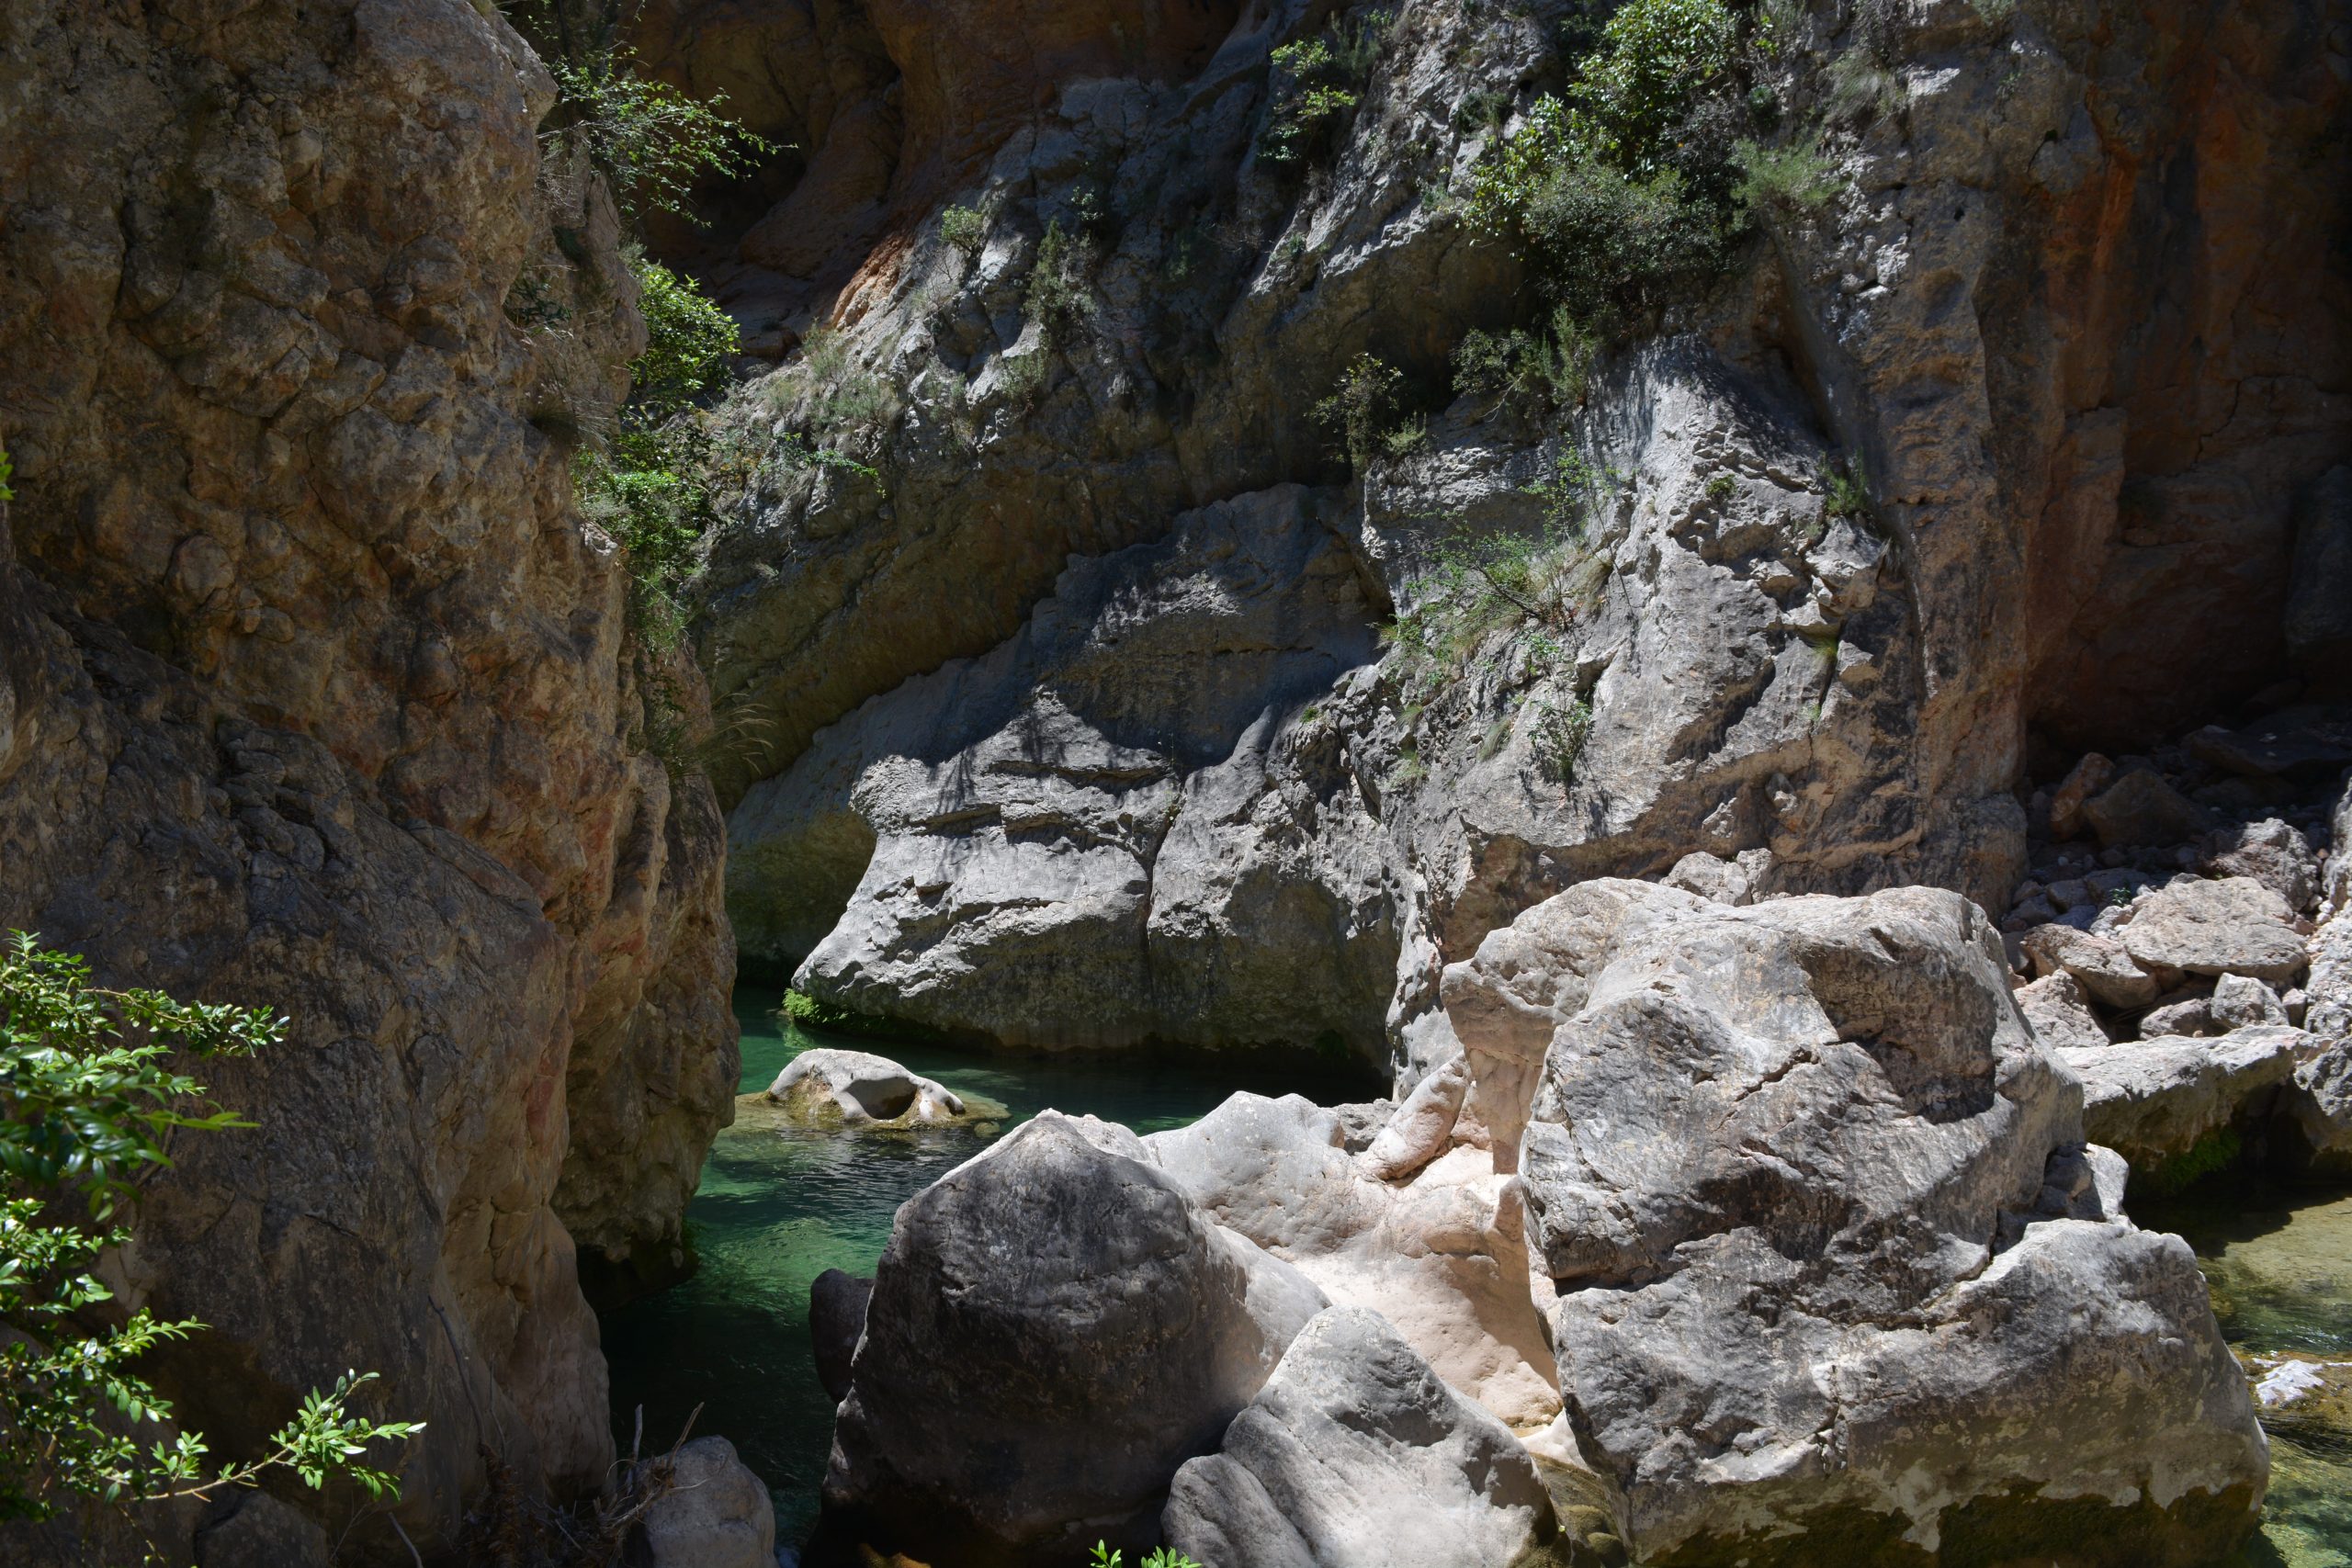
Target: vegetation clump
[(88, 1102), (1317, 83)]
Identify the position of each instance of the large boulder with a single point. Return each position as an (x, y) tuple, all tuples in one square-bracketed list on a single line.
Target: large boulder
[(2142, 808), (1055, 1328), (2231, 925), (836, 1318), (2272, 852), (1832, 1265), (2154, 1100), (1357, 1455), (2101, 965), (2319, 1100), (1439, 1247)]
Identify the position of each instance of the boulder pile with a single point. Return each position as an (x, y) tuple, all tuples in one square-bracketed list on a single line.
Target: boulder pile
[(2182, 947)]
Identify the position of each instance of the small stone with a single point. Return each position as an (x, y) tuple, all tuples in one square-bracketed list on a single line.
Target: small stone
[(2142, 808), (2240, 1001), (2060, 1011), (2193, 1016), (2103, 967)]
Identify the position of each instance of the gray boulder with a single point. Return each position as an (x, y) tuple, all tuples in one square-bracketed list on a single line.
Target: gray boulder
[(2240, 1001), (2060, 1011), (704, 1509), (2231, 926), (2319, 1100), (1055, 1328), (1357, 1455), (856, 1087), (1834, 1263), (2270, 852), (2153, 1102), (836, 1317), (2099, 963)]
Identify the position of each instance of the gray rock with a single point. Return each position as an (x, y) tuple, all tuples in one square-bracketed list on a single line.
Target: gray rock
[(2300, 742), (2152, 1101), (1435, 1240), (2191, 1015), (2319, 1099), (2102, 964), (2142, 808), (1360, 1122), (2060, 1011), (706, 1510), (1828, 1246), (2233, 926), (828, 1086), (1356, 1455), (1720, 880), (2089, 777), (2240, 1001), (2271, 853), (2336, 883), (1059, 1271), (2328, 1007), (836, 1318)]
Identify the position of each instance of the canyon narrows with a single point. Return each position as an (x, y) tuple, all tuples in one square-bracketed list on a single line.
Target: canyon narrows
[(1745, 605)]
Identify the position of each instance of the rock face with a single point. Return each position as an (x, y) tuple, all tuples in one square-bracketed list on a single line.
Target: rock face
[(1112, 827), (1057, 1272), (858, 1088), (1828, 701), (1821, 1224), (1356, 1455), (315, 693)]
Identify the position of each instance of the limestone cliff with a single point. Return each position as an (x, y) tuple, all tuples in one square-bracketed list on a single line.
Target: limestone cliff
[(2074, 318), (315, 692)]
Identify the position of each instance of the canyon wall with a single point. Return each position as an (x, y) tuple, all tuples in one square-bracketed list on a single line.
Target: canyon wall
[(2074, 318), (316, 693)]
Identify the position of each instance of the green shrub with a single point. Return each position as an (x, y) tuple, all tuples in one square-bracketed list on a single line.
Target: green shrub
[(1479, 584), (1845, 490), (1722, 488), (1539, 372), (1060, 300), (1368, 394), (7, 473), (1317, 84), (1792, 178), (1657, 59), (964, 227), (86, 1103), (1561, 729), (1161, 1556), (689, 343), (651, 141)]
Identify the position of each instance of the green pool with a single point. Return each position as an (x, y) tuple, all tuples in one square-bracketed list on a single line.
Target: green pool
[(775, 1210)]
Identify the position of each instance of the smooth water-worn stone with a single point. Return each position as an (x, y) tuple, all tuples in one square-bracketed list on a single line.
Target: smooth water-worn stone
[(2152, 1101), (1357, 1455), (828, 1086), (1055, 1327), (706, 1510)]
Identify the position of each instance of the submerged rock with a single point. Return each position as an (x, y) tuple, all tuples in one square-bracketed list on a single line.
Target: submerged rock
[(828, 1086), (1055, 1328), (1357, 1455)]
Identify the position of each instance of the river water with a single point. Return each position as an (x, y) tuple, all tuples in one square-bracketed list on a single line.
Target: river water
[(777, 1209)]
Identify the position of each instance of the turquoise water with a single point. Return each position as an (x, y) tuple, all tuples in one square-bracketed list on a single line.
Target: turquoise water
[(776, 1209), (2280, 1263)]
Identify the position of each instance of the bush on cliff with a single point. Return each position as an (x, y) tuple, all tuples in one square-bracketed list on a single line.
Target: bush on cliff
[(88, 1102)]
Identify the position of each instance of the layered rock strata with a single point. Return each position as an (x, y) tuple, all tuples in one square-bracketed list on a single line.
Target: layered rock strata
[(316, 693)]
